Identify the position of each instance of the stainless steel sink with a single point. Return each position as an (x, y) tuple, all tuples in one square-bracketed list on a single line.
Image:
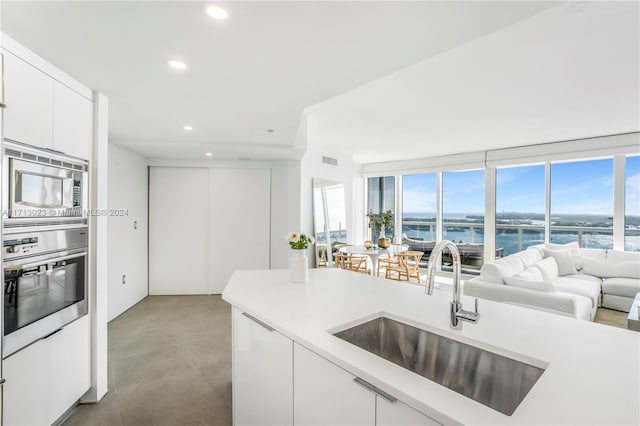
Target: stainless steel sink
[(488, 378)]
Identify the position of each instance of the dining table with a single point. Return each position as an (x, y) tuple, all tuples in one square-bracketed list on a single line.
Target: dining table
[(374, 253)]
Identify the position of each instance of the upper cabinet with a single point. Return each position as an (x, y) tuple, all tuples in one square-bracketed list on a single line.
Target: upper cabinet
[(72, 122), (43, 112), (28, 117)]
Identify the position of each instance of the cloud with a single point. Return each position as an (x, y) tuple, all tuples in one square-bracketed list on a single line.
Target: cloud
[(418, 200), (632, 194)]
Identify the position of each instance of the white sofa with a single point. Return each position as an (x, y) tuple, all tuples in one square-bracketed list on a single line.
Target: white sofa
[(562, 279)]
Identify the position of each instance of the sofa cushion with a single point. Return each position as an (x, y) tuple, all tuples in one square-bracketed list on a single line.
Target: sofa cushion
[(529, 257), (496, 271), (581, 287), (623, 256), (530, 278), (549, 268), (587, 277), (578, 259), (563, 260), (574, 245), (611, 269), (627, 287)]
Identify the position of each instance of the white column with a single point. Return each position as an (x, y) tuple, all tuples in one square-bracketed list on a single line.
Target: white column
[(618, 201), (547, 202), (489, 214), (397, 226), (98, 249)]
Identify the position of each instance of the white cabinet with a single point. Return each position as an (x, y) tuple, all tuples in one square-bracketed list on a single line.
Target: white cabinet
[(262, 373), (28, 117), (43, 112), (325, 394), (396, 413), (72, 122), (47, 378)]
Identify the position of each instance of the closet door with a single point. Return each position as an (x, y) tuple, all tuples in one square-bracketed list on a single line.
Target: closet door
[(240, 205), (178, 230)]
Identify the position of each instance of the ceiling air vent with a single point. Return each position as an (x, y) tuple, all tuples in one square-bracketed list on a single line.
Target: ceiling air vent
[(329, 160)]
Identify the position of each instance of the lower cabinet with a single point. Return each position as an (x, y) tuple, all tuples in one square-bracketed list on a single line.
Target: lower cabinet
[(279, 382), (327, 394), (262, 373), (47, 378)]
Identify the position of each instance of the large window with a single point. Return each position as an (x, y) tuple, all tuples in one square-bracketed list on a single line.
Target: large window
[(381, 198), (419, 205), (582, 203), (632, 204), (463, 214), (520, 204)]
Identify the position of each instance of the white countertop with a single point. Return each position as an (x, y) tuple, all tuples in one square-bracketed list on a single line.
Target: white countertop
[(592, 371)]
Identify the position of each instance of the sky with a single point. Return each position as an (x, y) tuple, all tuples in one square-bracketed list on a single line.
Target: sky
[(584, 187)]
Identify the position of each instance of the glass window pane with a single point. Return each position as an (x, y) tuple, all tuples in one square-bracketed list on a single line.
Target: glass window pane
[(632, 204), (463, 214), (381, 193), (582, 203), (419, 199), (520, 203)]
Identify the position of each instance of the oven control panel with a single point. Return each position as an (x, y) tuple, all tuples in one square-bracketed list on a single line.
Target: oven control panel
[(20, 245)]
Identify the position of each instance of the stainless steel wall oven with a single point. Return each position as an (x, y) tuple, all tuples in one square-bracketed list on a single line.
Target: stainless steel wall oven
[(45, 282)]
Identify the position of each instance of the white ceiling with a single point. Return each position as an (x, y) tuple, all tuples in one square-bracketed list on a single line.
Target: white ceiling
[(258, 70), (570, 72)]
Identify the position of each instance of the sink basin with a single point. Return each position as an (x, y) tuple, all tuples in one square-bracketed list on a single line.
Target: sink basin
[(494, 380)]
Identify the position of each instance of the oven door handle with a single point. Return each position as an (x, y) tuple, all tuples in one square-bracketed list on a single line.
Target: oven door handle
[(55, 259)]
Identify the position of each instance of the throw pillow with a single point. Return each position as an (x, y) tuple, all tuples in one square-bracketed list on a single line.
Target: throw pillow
[(563, 259), (549, 269), (530, 278)]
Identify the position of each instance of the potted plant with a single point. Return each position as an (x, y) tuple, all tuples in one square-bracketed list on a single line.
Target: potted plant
[(381, 222)]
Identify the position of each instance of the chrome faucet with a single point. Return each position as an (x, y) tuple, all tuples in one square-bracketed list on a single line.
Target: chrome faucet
[(457, 313)]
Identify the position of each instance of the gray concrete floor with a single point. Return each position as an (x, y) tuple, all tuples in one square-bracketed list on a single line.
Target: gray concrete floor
[(169, 364)]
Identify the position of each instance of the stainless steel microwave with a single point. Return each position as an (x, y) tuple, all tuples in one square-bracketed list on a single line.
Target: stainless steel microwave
[(42, 185)]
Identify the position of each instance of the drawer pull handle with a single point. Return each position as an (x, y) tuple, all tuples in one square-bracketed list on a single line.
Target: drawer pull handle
[(51, 334), (375, 390), (256, 320), (2, 381)]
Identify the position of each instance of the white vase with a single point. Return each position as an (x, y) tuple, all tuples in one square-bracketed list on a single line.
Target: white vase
[(298, 266)]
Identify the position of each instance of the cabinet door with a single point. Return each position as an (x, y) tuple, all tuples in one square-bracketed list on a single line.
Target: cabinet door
[(325, 394), (28, 117), (47, 378), (72, 122), (262, 374), (396, 413)]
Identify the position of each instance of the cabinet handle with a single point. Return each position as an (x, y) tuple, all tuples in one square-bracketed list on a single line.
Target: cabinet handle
[(2, 106), (256, 320), (2, 381), (375, 390)]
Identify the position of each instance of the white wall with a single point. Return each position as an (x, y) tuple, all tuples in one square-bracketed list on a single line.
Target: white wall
[(285, 208), (346, 172), (127, 254)]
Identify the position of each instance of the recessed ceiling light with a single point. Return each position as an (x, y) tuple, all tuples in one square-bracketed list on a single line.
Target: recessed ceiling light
[(208, 154), (188, 127), (271, 130), (177, 64), (216, 12)]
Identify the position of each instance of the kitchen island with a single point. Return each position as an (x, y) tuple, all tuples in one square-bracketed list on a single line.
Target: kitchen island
[(297, 372)]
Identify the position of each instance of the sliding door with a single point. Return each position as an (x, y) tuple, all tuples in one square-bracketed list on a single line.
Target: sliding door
[(240, 217), (178, 230), (204, 224)]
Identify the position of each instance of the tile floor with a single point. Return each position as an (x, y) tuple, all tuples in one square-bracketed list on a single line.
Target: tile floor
[(169, 364)]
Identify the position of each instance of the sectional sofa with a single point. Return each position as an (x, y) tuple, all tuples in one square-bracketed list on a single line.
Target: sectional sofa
[(561, 278)]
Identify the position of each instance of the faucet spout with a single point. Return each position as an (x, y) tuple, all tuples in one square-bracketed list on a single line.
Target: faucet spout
[(457, 313)]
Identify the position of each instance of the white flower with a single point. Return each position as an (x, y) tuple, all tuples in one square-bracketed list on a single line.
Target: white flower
[(288, 237), (295, 237)]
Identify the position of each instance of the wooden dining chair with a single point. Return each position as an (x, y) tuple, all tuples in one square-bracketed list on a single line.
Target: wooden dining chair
[(321, 255), (408, 267), (352, 262), (390, 259)]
